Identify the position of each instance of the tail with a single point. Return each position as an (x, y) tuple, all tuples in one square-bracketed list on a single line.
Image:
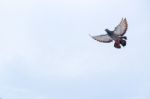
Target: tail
[(123, 42), (124, 37)]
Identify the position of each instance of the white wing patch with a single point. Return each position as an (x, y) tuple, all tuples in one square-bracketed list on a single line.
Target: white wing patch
[(121, 28), (102, 38)]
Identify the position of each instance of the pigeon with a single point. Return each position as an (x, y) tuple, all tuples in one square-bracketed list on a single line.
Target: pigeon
[(116, 35)]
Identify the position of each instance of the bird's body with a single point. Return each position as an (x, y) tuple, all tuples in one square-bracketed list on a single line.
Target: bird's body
[(117, 35)]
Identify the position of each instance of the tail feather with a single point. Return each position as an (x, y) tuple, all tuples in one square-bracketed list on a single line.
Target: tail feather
[(123, 42)]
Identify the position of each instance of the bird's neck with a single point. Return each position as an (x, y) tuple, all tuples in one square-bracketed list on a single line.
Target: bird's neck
[(109, 32)]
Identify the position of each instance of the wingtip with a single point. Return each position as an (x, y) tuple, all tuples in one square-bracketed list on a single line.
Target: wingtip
[(90, 35), (123, 18)]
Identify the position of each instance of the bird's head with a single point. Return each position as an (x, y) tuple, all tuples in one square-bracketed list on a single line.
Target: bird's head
[(108, 31)]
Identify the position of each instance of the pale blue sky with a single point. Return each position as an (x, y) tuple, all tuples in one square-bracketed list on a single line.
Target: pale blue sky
[(46, 51)]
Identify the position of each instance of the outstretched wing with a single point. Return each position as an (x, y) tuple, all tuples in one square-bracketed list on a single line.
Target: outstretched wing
[(102, 38), (121, 28)]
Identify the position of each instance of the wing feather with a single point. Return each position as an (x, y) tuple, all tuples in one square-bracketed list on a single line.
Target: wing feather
[(103, 38), (121, 28)]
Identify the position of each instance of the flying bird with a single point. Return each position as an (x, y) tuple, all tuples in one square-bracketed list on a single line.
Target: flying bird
[(116, 35)]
